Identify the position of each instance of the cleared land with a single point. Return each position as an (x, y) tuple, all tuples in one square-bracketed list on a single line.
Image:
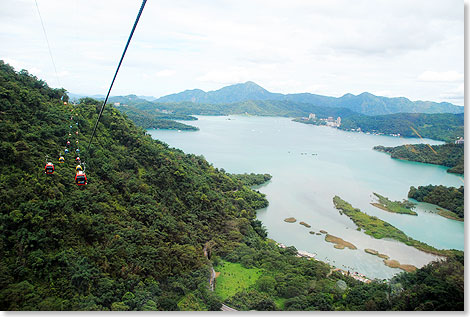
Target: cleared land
[(234, 278)]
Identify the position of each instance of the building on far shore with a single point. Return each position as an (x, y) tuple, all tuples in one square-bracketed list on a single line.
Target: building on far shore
[(459, 141), (311, 116)]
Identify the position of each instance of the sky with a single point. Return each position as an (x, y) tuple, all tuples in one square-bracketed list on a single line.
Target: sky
[(392, 48)]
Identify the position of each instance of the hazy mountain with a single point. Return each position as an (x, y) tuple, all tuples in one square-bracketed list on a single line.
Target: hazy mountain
[(122, 99), (229, 94), (365, 103)]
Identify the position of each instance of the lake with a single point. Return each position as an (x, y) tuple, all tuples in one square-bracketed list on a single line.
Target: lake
[(310, 165)]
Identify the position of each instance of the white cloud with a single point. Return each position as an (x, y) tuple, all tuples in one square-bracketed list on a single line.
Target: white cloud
[(449, 76), (455, 93), (165, 73), (325, 46)]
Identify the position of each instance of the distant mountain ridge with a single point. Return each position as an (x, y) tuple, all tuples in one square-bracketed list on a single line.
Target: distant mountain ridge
[(365, 103)]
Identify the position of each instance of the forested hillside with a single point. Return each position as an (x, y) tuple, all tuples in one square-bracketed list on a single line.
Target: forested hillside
[(149, 119), (365, 103), (443, 126), (450, 155), (450, 198), (134, 237)]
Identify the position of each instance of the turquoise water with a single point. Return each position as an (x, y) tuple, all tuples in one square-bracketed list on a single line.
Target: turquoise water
[(311, 164)]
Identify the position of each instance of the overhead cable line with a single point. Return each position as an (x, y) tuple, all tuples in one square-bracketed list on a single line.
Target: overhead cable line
[(47, 41), (117, 70)]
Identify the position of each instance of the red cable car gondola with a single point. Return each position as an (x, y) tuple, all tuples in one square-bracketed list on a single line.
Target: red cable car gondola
[(80, 178), (49, 168)]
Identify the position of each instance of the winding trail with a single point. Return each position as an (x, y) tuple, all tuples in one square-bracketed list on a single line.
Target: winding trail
[(212, 282)]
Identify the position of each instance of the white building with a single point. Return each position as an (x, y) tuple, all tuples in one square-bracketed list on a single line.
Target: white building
[(311, 116), (459, 141)]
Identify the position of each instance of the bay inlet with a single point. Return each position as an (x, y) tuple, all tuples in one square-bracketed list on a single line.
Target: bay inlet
[(310, 165)]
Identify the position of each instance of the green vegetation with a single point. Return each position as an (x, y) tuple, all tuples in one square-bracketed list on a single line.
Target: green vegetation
[(450, 198), (312, 122), (398, 207), (450, 155), (151, 119), (234, 278), (365, 103), (290, 283), (133, 238), (380, 229), (251, 179), (439, 126)]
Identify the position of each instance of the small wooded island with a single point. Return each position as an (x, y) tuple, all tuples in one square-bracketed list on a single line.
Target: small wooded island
[(450, 198), (380, 229), (450, 154), (397, 207)]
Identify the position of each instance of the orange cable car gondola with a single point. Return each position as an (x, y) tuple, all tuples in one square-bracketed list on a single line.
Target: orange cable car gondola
[(61, 159)]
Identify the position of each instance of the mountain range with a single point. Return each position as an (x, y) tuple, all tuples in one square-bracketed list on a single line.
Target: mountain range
[(365, 103)]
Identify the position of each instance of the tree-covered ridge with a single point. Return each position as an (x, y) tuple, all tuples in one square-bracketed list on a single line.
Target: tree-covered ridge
[(156, 120), (280, 108), (133, 238), (252, 178), (365, 103), (450, 198), (442, 126), (450, 155)]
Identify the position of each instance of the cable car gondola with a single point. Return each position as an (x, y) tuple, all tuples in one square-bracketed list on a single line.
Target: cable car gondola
[(80, 178), (79, 168), (49, 168), (68, 143), (61, 159)]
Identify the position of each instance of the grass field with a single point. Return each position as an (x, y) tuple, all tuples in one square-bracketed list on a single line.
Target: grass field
[(234, 278)]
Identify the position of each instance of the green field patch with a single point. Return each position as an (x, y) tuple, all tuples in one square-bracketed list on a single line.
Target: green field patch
[(234, 278)]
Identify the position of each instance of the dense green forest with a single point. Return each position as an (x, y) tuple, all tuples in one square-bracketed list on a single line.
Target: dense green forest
[(252, 178), (152, 119), (450, 155), (441, 126), (252, 107), (133, 238), (450, 198)]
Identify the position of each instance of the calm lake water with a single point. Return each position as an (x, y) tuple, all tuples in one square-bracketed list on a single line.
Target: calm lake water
[(312, 164)]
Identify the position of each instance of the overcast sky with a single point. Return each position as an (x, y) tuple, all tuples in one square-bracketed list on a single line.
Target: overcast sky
[(411, 48)]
